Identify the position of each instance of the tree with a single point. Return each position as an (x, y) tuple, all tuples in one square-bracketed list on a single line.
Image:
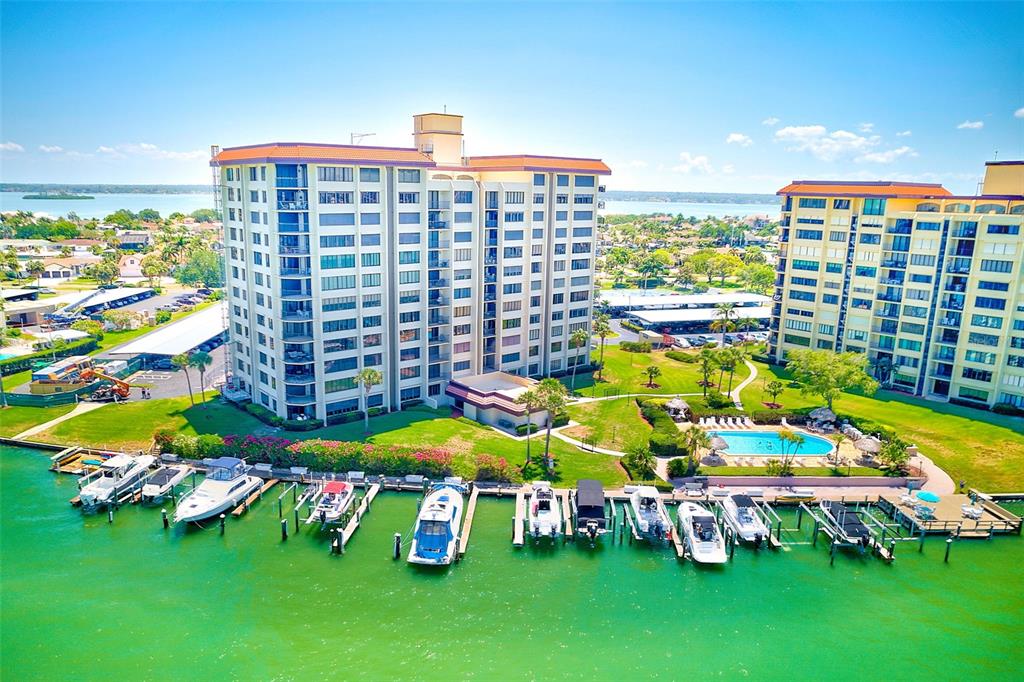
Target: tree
[(652, 372), (153, 266), (65, 251), (756, 278), (722, 265), (203, 267), (649, 267), (827, 374), (603, 329), (104, 272), (176, 244), (707, 361), (368, 377), (90, 327), (725, 316), (36, 269), (745, 324), (736, 357), (205, 215), (201, 360), (773, 388), (122, 218), (9, 261), (577, 339), (181, 361), (554, 399), (640, 461), (893, 455), (790, 442), (691, 441), (664, 256), (754, 255), (685, 276), (149, 215), (532, 401), (700, 262)]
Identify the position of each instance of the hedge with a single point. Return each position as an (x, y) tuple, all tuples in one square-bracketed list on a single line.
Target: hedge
[(688, 358), (662, 486), (664, 437), (632, 326), (271, 419), (1008, 408), (636, 346), (22, 362)]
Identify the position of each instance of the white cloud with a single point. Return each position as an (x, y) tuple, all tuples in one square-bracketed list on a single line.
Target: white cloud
[(636, 163), (50, 148), (11, 147), (740, 139), (1019, 113), (866, 127), (152, 151), (770, 121), (904, 133), (728, 169), (689, 163), (971, 125), (825, 145), (887, 156)]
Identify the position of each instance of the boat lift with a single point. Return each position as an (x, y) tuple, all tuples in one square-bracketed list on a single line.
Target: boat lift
[(824, 524), (764, 511)]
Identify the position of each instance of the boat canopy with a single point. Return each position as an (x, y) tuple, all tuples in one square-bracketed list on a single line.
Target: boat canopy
[(743, 500), (225, 462), (336, 487), (589, 499)]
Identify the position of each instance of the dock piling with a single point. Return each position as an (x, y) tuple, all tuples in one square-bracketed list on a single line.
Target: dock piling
[(280, 508), (949, 543), (284, 529), (799, 517), (892, 550), (296, 519), (920, 547), (163, 513), (832, 553), (398, 546), (222, 517)]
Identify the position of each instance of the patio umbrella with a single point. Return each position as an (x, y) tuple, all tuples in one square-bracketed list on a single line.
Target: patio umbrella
[(677, 405), (823, 414), (927, 496), (718, 443), (870, 444)]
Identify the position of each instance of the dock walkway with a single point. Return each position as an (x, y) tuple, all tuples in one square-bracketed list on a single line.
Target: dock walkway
[(364, 506), (518, 525), (467, 523)]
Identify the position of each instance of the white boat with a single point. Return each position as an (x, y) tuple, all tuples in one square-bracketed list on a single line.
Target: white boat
[(701, 534), (335, 500), (114, 477), (652, 521), (225, 486), (162, 481), (436, 535), (741, 513), (545, 512)]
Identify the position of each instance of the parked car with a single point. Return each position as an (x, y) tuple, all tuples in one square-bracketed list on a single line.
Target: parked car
[(682, 342)]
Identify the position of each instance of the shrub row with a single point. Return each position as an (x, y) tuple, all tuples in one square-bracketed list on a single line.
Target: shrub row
[(688, 358), (271, 419), (1008, 408), (22, 362), (559, 420), (632, 326), (636, 346), (664, 438)]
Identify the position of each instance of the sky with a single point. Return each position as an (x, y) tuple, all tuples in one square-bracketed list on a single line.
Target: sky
[(711, 97)]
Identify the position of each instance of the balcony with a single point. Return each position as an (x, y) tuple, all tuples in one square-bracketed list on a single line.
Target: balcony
[(437, 224), (891, 281), (899, 229), (439, 205), (894, 298), (435, 318), (301, 399), (965, 233), (297, 315), (957, 269), (490, 223), (437, 262), (291, 183), (960, 288), (295, 272), (950, 322), (296, 294), (437, 283), (438, 338), (438, 357), (296, 205), (294, 357), (299, 378), (294, 250), (942, 372)]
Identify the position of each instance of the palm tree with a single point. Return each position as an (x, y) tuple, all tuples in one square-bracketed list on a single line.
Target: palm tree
[(706, 357), (692, 440), (36, 269), (553, 400), (652, 372), (368, 377), (737, 356), (725, 314), (181, 361), (531, 400), (578, 338), (201, 360), (603, 330), (746, 324), (773, 388), (789, 439)]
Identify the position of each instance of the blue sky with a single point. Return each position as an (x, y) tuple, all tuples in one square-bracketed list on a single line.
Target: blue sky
[(674, 96)]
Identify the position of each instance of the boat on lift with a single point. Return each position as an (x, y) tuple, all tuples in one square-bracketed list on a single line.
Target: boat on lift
[(847, 523), (701, 534), (227, 483), (652, 520), (588, 509), (335, 500), (741, 513), (162, 481), (436, 534), (114, 477), (545, 514)]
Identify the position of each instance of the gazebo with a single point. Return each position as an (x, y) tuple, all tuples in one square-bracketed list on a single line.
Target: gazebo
[(677, 409)]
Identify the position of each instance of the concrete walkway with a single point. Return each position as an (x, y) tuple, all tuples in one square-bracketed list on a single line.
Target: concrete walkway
[(80, 408), (735, 395), (939, 482), (583, 401)]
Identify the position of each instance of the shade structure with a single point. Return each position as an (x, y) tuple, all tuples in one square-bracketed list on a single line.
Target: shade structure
[(927, 496), (823, 414), (677, 405), (869, 444), (719, 443)]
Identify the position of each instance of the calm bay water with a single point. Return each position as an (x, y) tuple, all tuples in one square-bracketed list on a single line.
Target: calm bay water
[(105, 204), (95, 601), (690, 208)]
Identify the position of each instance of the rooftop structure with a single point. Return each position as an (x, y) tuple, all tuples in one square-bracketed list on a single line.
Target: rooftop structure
[(179, 337), (652, 301)]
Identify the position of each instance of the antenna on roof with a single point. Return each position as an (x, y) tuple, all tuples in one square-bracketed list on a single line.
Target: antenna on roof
[(444, 108), (355, 137), (995, 155)]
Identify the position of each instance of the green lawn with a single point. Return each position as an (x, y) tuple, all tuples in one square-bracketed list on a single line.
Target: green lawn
[(15, 419), (983, 448), (623, 373), (613, 424)]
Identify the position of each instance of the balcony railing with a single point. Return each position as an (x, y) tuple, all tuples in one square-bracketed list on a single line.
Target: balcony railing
[(437, 224), (295, 272), (439, 204), (299, 377), (490, 223), (297, 358), (296, 315), (305, 399), (294, 250), (437, 283), (293, 206)]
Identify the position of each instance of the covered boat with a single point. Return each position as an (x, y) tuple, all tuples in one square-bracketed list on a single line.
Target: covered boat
[(115, 476), (652, 521), (162, 481), (589, 509), (544, 512), (227, 483), (847, 522), (436, 535), (334, 501), (741, 513)]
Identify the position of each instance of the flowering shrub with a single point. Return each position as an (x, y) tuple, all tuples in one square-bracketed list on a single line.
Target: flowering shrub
[(265, 449), (491, 468)]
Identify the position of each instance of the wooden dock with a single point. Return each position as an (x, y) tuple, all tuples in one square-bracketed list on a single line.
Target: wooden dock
[(518, 526), (364, 506), (467, 523), (567, 513), (248, 502)]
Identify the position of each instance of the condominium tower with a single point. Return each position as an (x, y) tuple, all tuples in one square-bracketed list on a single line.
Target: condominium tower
[(420, 262), (929, 284)]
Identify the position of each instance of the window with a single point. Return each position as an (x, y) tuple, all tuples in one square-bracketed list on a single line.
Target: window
[(345, 260), (538, 215), (337, 241), (408, 197), (339, 282), (369, 218), (336, 219), (922, 259), (874, 207), (334, 174), (977, 374), (996, 265), (515, 197), (408, 257), (833, 267), (841, 204), (928, 226), (370, 259), (369, 239), (409, 297), (369, 197), (805, 265), (408, 237), (331, 326), (796, 339), (409, 218), (837, 236), (408, 276), (514, 216), (461, 237), (582, 215), (408, 175), (371, 280), (562, 180), (463, 196), (335, 197), (983, 339), (463, 216), (989, 303), (801, 295), (341, 303), (809, 234), (369, 174), (988, 321), (980, 357), (831, 299), (1003, 229), (812, 203), (871, 239), (811, 221), (864, 271)]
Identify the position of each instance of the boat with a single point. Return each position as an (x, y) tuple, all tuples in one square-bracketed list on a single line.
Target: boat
[(114, 477), (162, 481), (588, 509), (545, 514), (701, 534), (847, 523), (652, 520), (741, 512), (227, 483), (335, 500), (436, 534), (796, 495)]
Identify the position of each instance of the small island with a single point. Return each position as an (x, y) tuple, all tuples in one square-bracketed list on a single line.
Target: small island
[(57, 195)]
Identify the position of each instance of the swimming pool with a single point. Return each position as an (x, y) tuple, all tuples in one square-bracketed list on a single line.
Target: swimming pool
[(768, 443)]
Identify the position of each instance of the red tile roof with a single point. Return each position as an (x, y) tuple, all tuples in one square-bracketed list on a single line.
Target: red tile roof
[(828, 188), (530, 162), (316, 153)]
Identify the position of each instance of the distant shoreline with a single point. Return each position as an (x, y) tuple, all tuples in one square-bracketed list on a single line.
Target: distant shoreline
[(75, 191), (56, 197)]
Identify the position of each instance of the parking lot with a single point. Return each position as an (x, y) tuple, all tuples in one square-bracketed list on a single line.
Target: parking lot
[(164, 383), (699, 340)]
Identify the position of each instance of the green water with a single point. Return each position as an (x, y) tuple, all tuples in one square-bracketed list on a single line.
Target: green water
[(84, 598)]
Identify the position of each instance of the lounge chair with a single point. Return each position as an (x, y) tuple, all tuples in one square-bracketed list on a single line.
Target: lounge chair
[(702, 422), (712, 422), (749, 422)]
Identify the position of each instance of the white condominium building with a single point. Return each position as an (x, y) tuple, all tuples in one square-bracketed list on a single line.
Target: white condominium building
[(419, 262)]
